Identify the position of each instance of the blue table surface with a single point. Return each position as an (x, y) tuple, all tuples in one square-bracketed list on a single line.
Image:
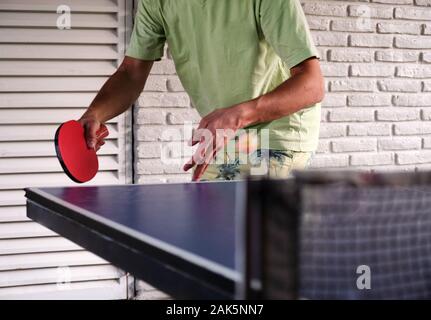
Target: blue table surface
[(196, 217)]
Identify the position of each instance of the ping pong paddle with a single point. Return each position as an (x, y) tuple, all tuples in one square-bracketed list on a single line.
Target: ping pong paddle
[(78, 161)]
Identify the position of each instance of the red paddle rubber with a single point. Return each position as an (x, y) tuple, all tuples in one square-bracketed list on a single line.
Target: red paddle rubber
[(79, 162)]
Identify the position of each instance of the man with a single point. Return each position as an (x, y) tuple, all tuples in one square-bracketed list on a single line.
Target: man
[(246, 64)]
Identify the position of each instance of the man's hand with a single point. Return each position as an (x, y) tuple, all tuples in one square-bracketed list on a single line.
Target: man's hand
[(214, 132), (115, 97), (91, 126)]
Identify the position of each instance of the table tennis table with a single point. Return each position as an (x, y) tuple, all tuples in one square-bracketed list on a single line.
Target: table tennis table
[(179, 238), (303, 237)]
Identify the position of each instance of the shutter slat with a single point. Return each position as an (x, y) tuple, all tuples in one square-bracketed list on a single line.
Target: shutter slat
[(38, 132), (87, 290), (49, 244), (54, 275), (58, 52), (14, 35), (48, 116), (12, 198), (56, 68), (20, 181), (52, 5), (48, 260), (37, 19), (35, 165), (45, 100), (43, 149), (15, 230), (13, 214), (51, 84)]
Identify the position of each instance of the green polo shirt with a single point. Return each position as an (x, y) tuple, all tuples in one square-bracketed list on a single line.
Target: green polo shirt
[(231, 51)]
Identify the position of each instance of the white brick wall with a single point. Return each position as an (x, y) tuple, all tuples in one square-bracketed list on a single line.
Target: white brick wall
[(376, 57)]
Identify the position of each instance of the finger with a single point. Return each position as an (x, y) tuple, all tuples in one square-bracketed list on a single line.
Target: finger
[(209, 156), (190, 164), (91, 129), (199, 172), (197, 133)]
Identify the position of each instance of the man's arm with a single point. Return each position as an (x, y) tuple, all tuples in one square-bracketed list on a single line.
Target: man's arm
[(116, 96), (304, 88)]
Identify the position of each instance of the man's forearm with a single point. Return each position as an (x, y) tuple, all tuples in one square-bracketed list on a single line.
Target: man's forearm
[(119, 92), (303, 89)]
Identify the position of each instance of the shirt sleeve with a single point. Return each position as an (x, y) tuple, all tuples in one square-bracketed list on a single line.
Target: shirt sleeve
[(148, 36), (285, 27)]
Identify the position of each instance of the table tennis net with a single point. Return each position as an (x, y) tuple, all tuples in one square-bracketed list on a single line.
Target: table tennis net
[(358, 236)]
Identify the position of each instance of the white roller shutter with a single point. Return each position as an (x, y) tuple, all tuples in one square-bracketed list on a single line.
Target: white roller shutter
[(48, 76)]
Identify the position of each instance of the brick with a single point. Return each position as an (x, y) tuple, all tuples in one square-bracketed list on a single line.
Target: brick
[(151, 116), (426, 115), (183, 116), (372, 70), (160, 133), (427, 143), (317, 23), (412, 42), (413, 157), (371, 159), (354, 145), (150, 179), (371, 41), (426, 3), (427, 29), (426, 57), (394, 1), (367, 11), (412, 128), (324, 9), (412, 13), (398, 114), (351, 115), (350, 55), (156, 83), (332, 130), (174, 84), (396, 56), (175, 168), (149, 166), (369, 129), (427, 86), (322, 38), (164, 66), (399, 28), (148, 150), (357, 85), (412, 100), (334, 100), (330, 161), (369, 100), (335, 70), (401, 143), (324, 146), (178, 149), (352, 25), (394, 85), (417, 71), (148, 99)]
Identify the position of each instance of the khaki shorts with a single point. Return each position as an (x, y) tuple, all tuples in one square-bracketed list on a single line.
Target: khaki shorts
[(274, 164)]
